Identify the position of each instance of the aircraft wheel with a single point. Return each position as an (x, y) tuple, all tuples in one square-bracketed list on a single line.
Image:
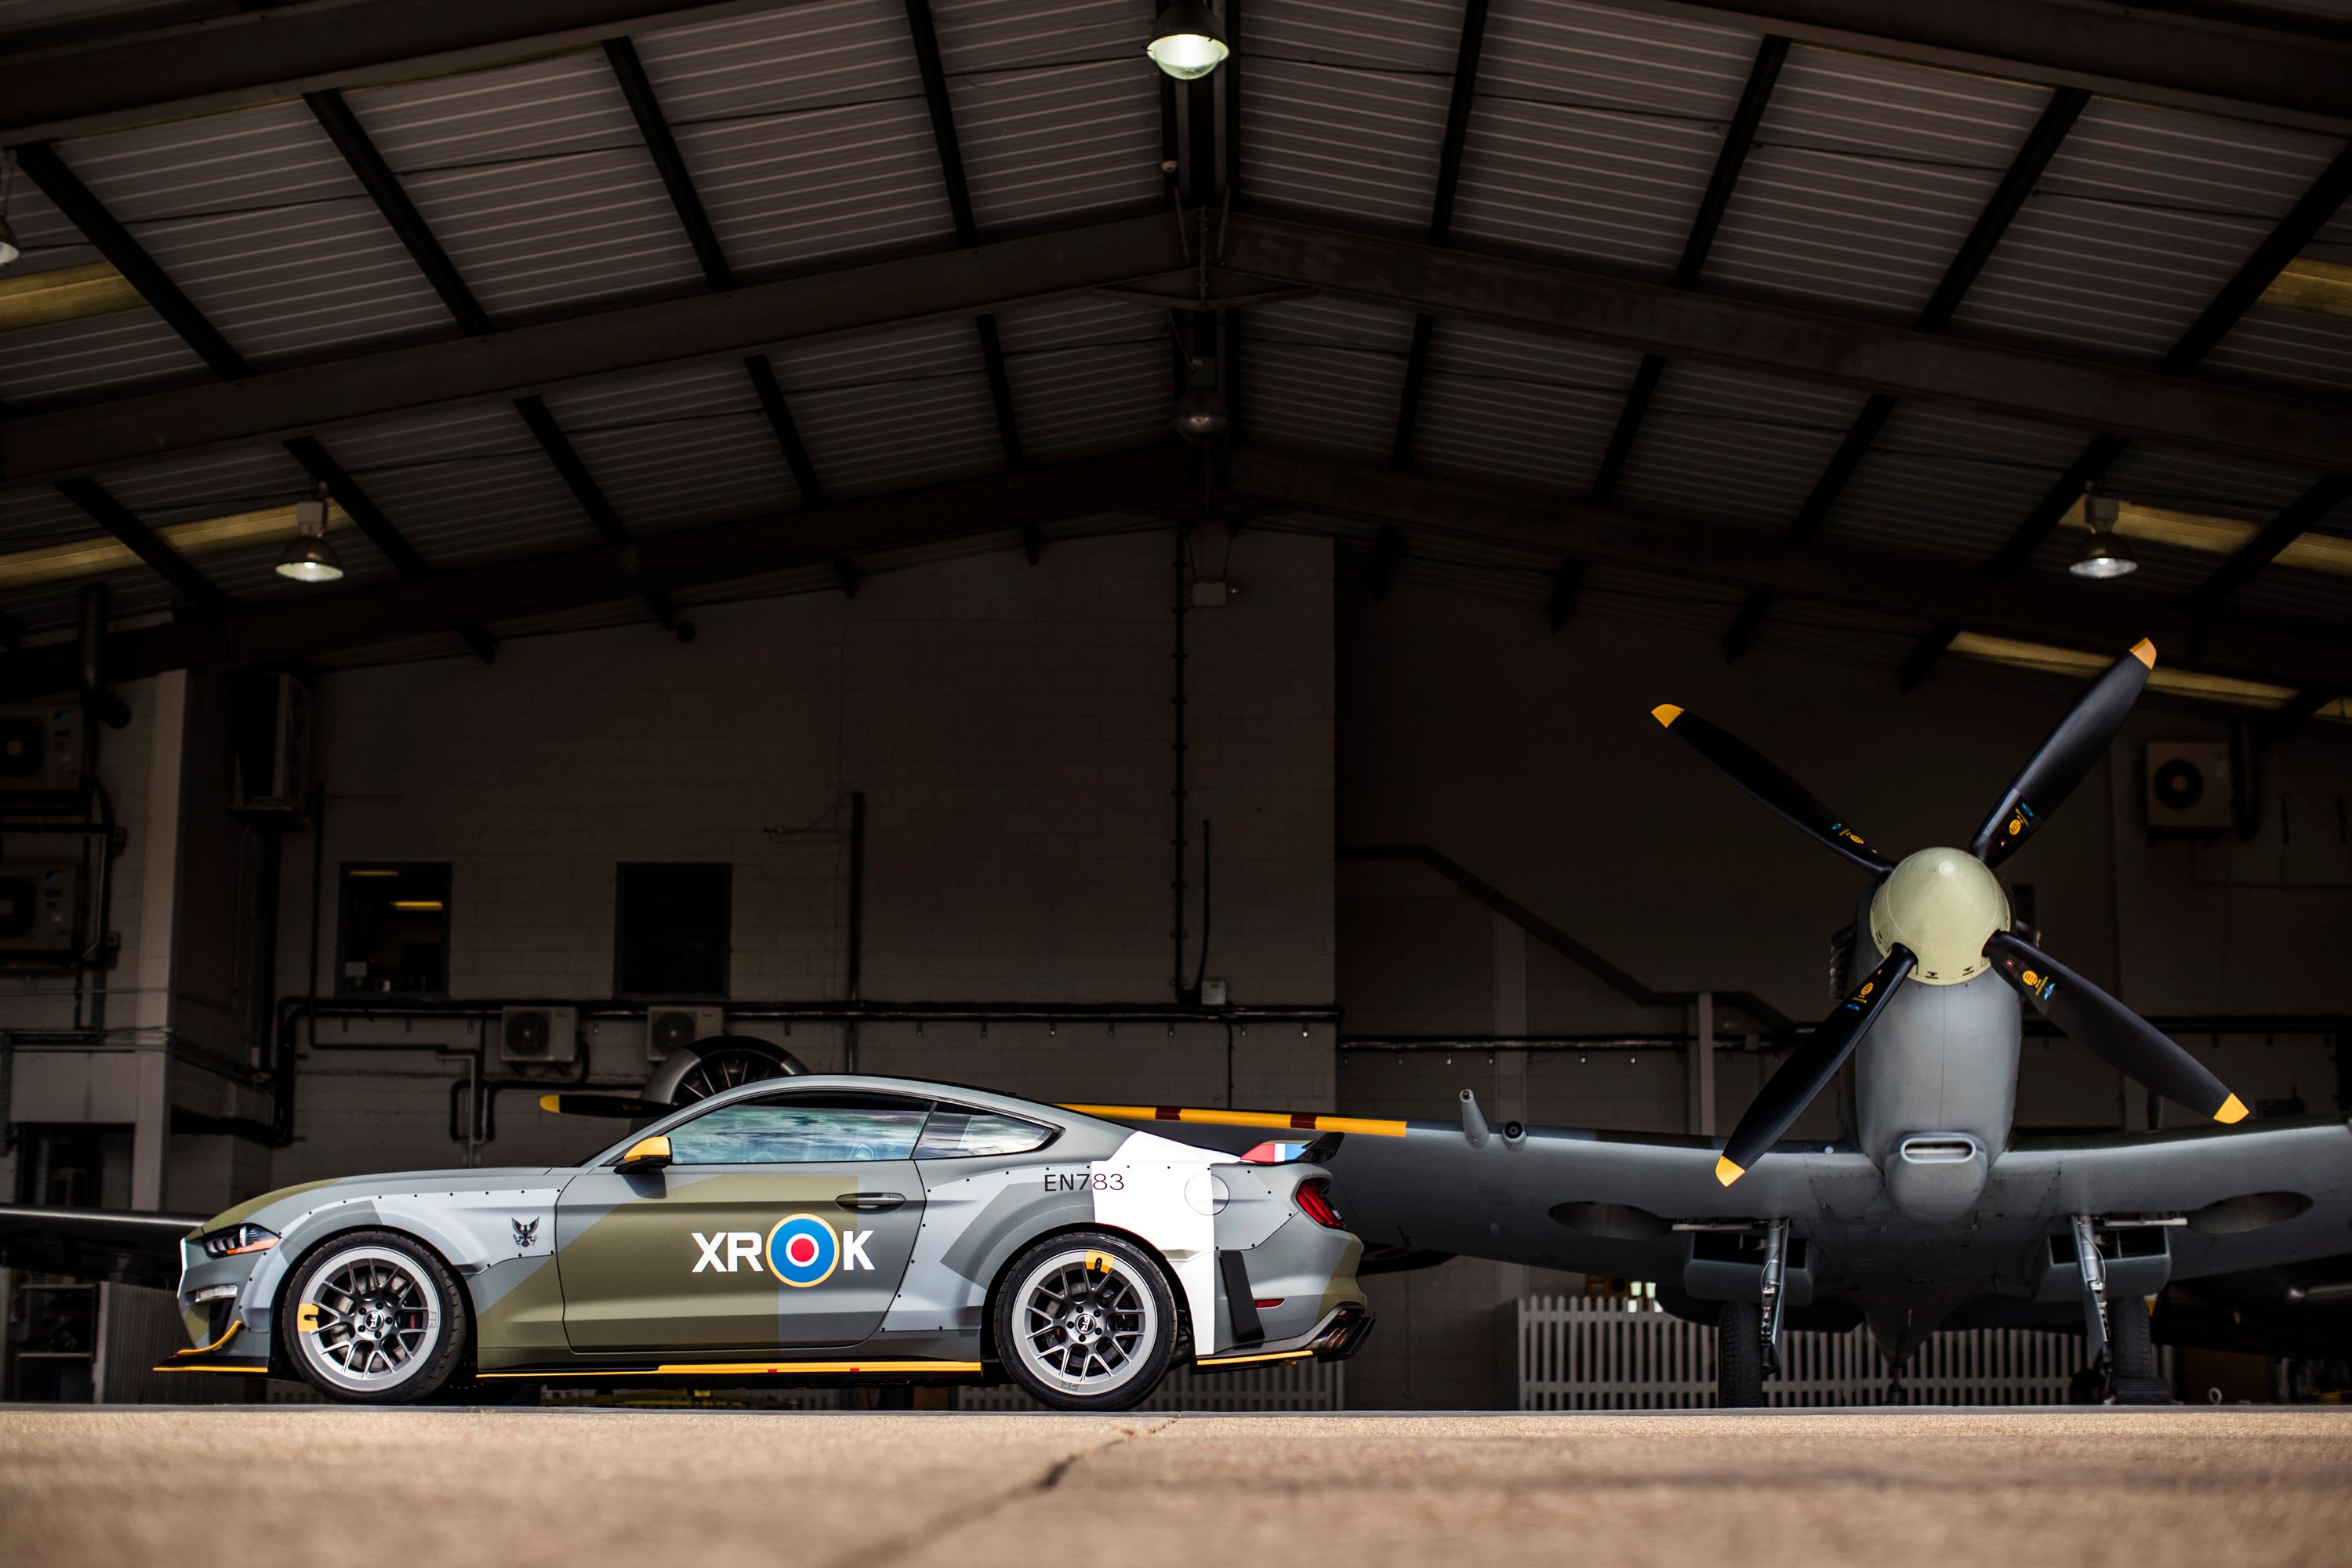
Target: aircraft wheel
[(2134, 1379), (1739, 1356), (1085, 1322)]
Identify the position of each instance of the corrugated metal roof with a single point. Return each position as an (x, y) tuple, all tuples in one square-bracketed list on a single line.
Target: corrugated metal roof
[(2297, 349), (1088, 375), (263, 226), (1326, 374), (1865, 178), (804, 131), (887, 410), (1522, 409), (1950, 483), (1594, 131), (1735, 445), (678, 446), (1057, 106), (91, 354), (2139, 220), (2198, 483), (1343, 108), (535, 180), (464, 483)]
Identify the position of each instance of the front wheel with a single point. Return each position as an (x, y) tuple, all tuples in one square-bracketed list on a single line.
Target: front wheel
[(375, 1318), (1085, 1322)]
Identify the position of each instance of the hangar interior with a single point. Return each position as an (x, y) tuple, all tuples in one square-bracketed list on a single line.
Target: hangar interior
[(897, 533)]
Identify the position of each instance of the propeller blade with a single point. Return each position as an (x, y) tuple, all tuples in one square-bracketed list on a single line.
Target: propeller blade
[(2120, 1037), (1810, 1067), (613, 1107), (2072, 750), (1760, 776)]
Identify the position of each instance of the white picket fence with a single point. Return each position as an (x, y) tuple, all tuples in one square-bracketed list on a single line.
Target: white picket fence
[(1577, 1353)]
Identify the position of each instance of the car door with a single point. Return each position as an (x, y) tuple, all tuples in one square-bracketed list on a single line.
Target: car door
[(784, 1221)]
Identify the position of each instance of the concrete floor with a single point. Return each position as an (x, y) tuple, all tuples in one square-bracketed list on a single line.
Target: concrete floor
[(516, 1487)]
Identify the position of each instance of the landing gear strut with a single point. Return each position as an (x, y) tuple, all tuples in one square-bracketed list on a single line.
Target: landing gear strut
[(2122, 1355)]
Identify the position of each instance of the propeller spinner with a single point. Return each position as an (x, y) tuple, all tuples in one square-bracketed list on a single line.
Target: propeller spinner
[(1942, 917)]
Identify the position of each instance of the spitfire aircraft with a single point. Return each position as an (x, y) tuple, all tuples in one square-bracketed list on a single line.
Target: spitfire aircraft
[(1929, 1211)]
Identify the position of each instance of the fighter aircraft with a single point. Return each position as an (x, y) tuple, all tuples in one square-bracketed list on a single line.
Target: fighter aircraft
[(1930, 1211)]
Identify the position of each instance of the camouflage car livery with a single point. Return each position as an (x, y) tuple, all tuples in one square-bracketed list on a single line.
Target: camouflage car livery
[(865, 1267)]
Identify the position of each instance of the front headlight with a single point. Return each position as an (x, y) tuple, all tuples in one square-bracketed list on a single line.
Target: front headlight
[(240, 1238)]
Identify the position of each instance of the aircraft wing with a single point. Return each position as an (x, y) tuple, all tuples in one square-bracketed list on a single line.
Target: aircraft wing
[(2255, 1196), (1586, 1202), (95, 1244)]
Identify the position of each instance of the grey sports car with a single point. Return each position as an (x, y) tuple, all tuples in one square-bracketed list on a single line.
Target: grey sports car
[(860, 1229)]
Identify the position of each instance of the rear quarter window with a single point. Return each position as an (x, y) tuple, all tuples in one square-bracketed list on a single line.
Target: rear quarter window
[(964, 1134)]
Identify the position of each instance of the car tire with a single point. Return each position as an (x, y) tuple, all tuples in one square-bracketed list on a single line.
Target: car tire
[(1085, 1322), (374, 1317)]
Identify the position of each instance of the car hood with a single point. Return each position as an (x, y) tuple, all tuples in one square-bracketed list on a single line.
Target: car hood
[(275, 1209)]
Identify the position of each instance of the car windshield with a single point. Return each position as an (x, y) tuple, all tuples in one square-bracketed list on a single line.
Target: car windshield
[(801, 1131)]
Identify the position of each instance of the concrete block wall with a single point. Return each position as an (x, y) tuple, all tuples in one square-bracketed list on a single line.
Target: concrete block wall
[(1011, 729)]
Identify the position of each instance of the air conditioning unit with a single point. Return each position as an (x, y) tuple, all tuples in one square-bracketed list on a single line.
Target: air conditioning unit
[(269, 743), (539, 1034), (40, 911), (2188, 784), (667, 1029), (41, 747)]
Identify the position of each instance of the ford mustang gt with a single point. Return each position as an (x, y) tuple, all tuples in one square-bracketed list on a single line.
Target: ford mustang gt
[(858, 1228)]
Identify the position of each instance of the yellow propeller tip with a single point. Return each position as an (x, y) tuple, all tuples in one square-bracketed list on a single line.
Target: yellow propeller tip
[(2145, 651), (551, 1101), (1726, 1171), (1666, 713), (2233, 1109)]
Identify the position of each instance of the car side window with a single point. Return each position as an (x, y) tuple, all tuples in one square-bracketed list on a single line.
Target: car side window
[(810, 1130), (958, 1134)]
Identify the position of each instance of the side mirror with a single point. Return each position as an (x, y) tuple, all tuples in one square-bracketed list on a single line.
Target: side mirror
[(644, 1156)]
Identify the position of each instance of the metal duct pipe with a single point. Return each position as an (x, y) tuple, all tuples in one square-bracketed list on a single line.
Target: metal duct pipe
[(97, 702)]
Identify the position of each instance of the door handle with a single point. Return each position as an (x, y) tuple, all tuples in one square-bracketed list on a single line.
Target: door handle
[(870, 1202)]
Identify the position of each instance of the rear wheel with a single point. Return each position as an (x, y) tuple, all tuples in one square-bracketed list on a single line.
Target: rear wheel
[(1739, 1356), (1085, 1322), (375, 1318)]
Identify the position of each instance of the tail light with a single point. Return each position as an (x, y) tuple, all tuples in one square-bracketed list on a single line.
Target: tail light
[(1314, 1199)]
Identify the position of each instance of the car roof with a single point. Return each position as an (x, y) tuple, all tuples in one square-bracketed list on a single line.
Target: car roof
[(863, 1083)]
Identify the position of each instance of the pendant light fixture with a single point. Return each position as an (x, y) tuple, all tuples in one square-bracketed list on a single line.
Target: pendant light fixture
[(2102, 554), (1187, 40), (309, 558)]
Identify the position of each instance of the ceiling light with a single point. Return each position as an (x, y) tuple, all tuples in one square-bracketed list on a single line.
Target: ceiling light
[(2101, 553), (9, 250), (309, 558), (2213, 535), (2165, 678), (1186, 41), (1200, 411)]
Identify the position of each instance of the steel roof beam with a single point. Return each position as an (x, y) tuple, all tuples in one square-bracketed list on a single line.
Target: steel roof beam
[(280, 402), (2001, 210), (589, 495), (384, 189), (2292, 523), (1700, 550), (1472, 44), (264, 54), (85, 212), (657, 563), (1792, 340), (788, 435), (1541, 297), (360, 507), (135, 536), (1738, 140), (2278, 75), (654, 126)]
